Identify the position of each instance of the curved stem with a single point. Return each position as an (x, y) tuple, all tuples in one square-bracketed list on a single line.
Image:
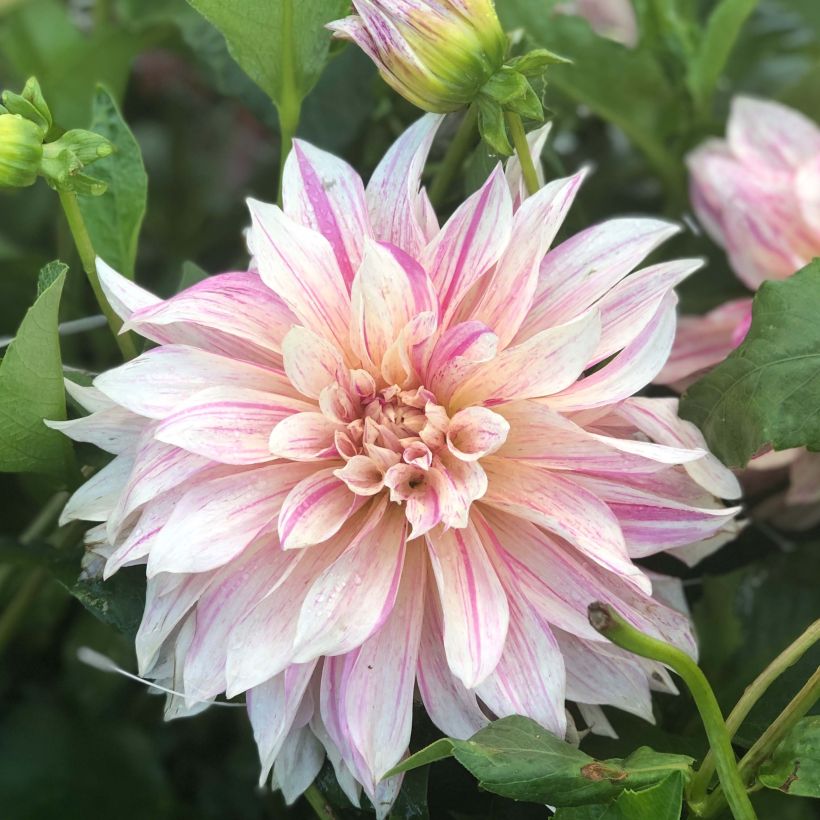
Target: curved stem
[(612, 626), (522, 148), (454, 157), (88, 258), (788, 657), (318, 803)]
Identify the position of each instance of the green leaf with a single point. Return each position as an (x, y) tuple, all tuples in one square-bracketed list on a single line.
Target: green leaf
[(281, 44), (31, 389), (662, 801), (192, 274), (716, 44), (515, 757), (768, 390), (49, 274), (115, 218), (439, 750), (794, 768)]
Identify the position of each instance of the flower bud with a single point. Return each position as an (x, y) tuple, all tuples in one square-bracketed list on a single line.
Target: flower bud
[(21, 151), (436, 53)]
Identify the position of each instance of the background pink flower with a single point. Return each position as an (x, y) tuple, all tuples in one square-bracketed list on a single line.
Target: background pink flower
[(395, 454), (609, 18)]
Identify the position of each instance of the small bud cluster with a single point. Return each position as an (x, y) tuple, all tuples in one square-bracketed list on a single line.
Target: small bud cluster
[(31, 145)]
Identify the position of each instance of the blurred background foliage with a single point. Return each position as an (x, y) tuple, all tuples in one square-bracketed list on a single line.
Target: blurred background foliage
[(76, 743)]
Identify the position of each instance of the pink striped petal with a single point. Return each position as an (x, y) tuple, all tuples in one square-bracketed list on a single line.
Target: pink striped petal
[(476, 432), (545, 364), (298, 763), (362, 475), (630, 371), (583, 269), (156, 383), (299, 265), (324, 193), (807, 186), (315, 509), (473, 601), (507, 296), (470, 243), (562, 506), (353, 597), (397, 210), (216, 520), (311, 362), (456, 354), (235, 314), (305, 437), (464, 482), (390, 288), (228, 425)]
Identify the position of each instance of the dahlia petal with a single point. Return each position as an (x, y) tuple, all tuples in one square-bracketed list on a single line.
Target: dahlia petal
[(378, 695), (299, 265), (298, 763), (311, 363), (476, 432), (235, 314), (89, 398), (272, 707), (529, 678), (457, 354), (543, 365), (596, 720), (315, 509), (95, 500), (156, 383), (362, 475), (507, 296), (631, 304), (344, 777), (354, 596), (582, 269), (564, 507), (397, 365), (807, 186), (217, 519), (473, 602), (464, 482), (389, 289), (305, 436), (114, 429), (124, 296), (631, 370), (393, 191), (470, 243), (324, 193), (228, 425)]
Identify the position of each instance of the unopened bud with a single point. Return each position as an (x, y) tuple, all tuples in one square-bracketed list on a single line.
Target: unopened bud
[(21, 151)]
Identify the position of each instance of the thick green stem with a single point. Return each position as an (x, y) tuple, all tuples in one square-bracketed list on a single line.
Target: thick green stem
[(788, 657), (522, 148), (318, 803), (612, 626), (88, 258), (456, 153), (289, 105)]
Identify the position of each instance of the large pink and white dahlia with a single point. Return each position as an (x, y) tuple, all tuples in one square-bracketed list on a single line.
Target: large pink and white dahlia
[(397, 455)]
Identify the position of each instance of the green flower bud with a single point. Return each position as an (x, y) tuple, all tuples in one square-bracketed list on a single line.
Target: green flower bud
[(21, 151)]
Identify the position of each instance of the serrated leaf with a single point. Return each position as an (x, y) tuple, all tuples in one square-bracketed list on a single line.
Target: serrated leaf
[(114, 219), (767, 392), (662, 801), (31, 389), (794, 768)]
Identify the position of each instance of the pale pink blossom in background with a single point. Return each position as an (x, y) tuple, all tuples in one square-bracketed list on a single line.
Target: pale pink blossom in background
[(614, 19), (757, 193), (378, 461)]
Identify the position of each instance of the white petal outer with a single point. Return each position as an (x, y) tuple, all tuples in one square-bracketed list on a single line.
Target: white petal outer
[(585, 267), (658, 419), (353, 597), (216, 520), (449, 703), (96, 499), (114, 429), (122, 294), (311, 362), (298, 763), (272, 707), (89, 398), (560, 582), (470, 243), (378, 695), (299, 265), (324, 193), (565, 508), (473, 603), (393, 191)]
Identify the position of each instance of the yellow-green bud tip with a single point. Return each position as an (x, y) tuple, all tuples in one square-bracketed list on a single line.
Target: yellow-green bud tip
[(21, 151)]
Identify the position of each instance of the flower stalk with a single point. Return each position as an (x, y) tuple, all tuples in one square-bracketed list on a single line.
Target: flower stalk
[(454, 157), (612, 626), (522, 148)]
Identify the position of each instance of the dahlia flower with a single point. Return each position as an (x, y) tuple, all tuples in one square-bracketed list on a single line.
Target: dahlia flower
[(396, 455), (757, 193), (614, 19), (435, 53)]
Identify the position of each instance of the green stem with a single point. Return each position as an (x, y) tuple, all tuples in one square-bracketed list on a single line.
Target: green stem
[(88, 258), (788, 657), (522, 148), (454, 157), (289, 106), (612, 626), (318, 803)]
